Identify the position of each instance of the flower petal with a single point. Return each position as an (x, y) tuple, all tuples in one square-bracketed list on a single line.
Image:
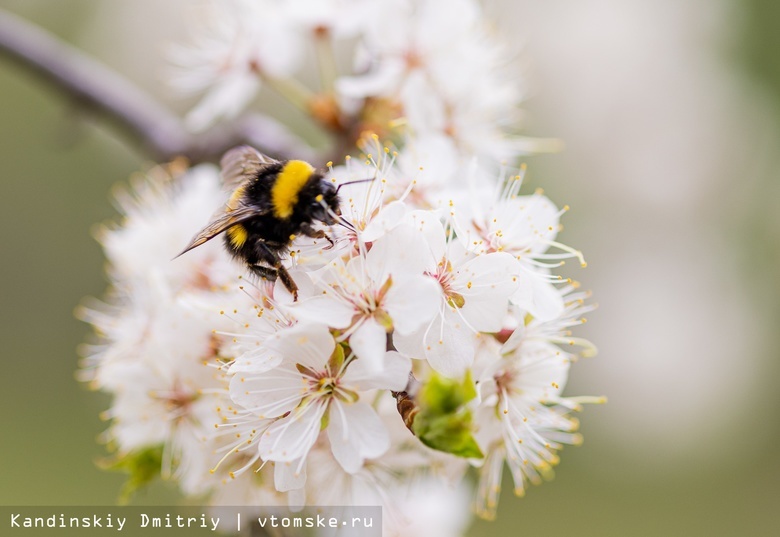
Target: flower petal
[(390, 215), (449, 345), (379, 82), (401, 251), (543, 368), (324, 306), (356, 433), (307, 344), (411, 345), (538, 297), (486, 283), (287, 477), (412, 302), (369, 342), (292, 437), (256, 360), (270, 394), (433, 233), (393, 375)]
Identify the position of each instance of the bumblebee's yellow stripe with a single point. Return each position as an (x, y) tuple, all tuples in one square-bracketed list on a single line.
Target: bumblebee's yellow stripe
[(284, 193), (234, 197), (237, 235)]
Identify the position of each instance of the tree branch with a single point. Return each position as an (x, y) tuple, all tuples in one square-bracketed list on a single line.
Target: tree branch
[(147, 123)]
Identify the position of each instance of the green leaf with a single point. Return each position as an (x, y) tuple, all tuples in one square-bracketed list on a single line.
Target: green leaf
[(444, 396), (142, 467), (443, 421)]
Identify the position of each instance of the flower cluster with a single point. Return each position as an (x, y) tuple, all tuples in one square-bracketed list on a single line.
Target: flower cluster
[(430, 332), (417, 68)]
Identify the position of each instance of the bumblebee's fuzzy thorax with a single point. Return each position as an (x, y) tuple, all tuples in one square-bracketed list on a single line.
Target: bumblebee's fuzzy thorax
[(286, 191)]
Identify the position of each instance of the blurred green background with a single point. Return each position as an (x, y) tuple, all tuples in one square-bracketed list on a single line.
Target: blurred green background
[(670, 112)]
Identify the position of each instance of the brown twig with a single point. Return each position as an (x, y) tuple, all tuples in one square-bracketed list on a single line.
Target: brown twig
[(149, 124)]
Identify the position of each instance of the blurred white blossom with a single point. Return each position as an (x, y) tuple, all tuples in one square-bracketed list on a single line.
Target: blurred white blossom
[(237, 43)]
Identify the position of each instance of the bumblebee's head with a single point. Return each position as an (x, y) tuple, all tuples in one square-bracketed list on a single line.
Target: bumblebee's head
[(325, 206)]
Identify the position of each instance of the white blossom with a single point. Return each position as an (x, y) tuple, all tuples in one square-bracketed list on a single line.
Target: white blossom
[(473, 297), (434, 56), (526, 227), (523, 418), (307, 387), (237, 43), (159, 212), (340, 18), (375, 293)]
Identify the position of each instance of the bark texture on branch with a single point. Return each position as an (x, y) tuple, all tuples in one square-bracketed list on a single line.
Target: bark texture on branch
[(150, 125)]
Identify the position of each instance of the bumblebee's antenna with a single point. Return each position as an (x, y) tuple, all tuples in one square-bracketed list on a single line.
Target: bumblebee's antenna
[(346, 223), (355, 182), (337, 217)]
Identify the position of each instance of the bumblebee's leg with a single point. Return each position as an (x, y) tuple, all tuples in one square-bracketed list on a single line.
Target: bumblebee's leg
[(287, 280), (270, 257), (266, 273), (265, 254), (257, 255), (309, 231)]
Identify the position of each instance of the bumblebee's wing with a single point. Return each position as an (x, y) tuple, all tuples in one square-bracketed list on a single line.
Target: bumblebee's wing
[(241, 164), (220, 224)]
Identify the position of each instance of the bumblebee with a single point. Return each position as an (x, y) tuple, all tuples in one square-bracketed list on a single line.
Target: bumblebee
[(272, 201)]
